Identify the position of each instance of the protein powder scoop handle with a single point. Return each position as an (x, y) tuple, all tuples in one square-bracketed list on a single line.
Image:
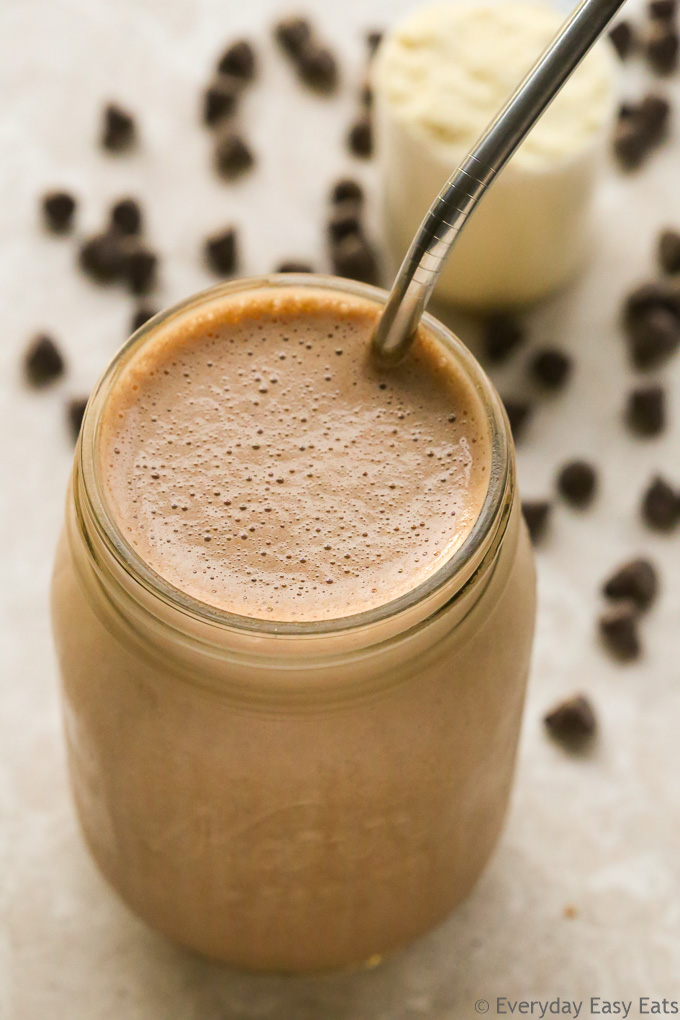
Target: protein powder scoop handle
[(448, 214)]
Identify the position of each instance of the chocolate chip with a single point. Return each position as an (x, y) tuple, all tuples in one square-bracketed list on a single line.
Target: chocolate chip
[(58, 209), (293, 34), (75, 410), (346, 190), (631, 143), (238, 60), (653, 337), (551, 368), (220, 99), (126, 216), (221, 252), (344, 219), (318, 68), (654, 113), (291, 266), (649, 296), (662, 46), (119, 131), (360, 137), (502, 334), (572, 722), (577, 482), (354, 259), (646, 410), (233, 156), (669, 251), (102, 257), (373, 40), (43, 362), (622, 38), (635, 581), (518, 412), (537, 516), (141, 315), (618, 628), (661, 505), (662, 8), (140, 266)]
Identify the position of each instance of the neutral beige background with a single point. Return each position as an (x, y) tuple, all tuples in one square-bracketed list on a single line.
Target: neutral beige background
[(600, 835)]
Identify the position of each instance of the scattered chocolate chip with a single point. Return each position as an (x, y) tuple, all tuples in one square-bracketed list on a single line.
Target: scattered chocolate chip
[(360, 137), (354, 259), (75, 410), (669, 251), (221, 252), (635, 581), (654, 112), (344, 219), (140, 266), (141, 315), (572, 722), (233, 157), (518, 412), (43, 361), (640, 128), (119, 131), (618, 629), (649, 296), (293, 34), (292, 266), (346, 190), (551, 368), (502, 335), (220, 99), (577, 482), (662, 8), (653, 337), (58, 209), (631, 143), (238, 60), (126, 216), (623, 38), (102, 257), (646, 410), (661, 505), (662, 46), (537, 516), (318, 68), (373, 40)]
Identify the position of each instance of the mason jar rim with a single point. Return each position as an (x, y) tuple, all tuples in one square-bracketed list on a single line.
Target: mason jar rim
[(485, 527)]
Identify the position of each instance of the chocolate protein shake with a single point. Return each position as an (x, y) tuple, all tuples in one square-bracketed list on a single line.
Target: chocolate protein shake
[(293, 607), (258, 461)]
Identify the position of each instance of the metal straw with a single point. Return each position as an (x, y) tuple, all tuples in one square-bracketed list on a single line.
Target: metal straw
[(438, 232)]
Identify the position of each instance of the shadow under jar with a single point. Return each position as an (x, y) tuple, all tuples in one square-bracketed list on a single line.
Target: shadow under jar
[(291, 794)]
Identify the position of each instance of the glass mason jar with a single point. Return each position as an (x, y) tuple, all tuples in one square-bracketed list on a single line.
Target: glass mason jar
[(292, 796)]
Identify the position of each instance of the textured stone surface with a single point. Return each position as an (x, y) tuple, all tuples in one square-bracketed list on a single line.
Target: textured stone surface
[(596, 837)]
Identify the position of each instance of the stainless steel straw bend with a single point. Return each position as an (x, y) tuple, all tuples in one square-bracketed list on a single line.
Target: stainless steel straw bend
[(448, 214)]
